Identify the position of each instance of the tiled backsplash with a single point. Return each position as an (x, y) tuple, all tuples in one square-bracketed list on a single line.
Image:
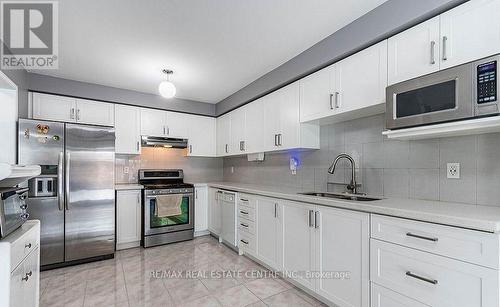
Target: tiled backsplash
[(405, 169), (196, 170)]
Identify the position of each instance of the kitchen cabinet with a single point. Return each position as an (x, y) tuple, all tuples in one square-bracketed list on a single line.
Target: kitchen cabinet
[(299, 243), (316, 97), (176, 125), (224, 135), (214, 211), (414, 52), (200, 210), (469, 32), (343, 247), (238, 137), (127, 130), (153, 122), (201, 136), (269, 232), (128, 219), (254, 126), (382, 297), (72, 110)]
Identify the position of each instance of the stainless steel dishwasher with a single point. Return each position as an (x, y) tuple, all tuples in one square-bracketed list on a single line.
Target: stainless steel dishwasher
[(228, 208)]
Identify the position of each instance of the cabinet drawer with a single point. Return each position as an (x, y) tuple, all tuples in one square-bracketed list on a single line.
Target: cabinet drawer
[(246, 242), (246, 226), (468, 245), (383, 297), (24, 245), (246, 213), (431, 279), (247, 201)]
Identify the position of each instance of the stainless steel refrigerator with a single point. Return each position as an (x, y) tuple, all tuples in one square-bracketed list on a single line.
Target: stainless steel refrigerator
[(74, 197)]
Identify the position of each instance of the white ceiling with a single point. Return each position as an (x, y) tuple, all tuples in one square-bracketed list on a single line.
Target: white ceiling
[(215, 47)]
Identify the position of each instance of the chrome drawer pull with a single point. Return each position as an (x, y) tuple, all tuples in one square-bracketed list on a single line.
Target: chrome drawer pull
[(27, 276), (242, 199), (431, 281), (244, 225), (409, 234), (27, 245), (243, 212), (243, 241)]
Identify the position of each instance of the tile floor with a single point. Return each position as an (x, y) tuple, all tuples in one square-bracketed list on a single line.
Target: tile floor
[(127, 280)]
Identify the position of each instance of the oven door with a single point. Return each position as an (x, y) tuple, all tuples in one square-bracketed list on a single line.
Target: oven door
[(154, 224), (439, 97), (12, 210)]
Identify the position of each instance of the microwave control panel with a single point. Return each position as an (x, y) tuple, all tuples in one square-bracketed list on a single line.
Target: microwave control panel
[(487, 82)]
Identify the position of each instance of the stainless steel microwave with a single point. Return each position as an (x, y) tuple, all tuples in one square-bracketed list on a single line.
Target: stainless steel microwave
[(12, 209), (466, 91)]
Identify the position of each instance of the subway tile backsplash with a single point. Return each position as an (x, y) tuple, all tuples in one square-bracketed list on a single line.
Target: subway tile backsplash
[(405, 169)]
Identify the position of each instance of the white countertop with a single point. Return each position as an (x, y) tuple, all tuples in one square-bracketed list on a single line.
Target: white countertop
[(484, 218), (128, 186)]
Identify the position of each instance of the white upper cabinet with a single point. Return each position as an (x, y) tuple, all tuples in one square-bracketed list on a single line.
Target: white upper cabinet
[(238, 138), (177, 125), (127, 130), (52, 107), (271, 122), (224, 135), (414, 52), (254, 126), (153, 122), (316, 97), (469, 32), (95, 112), (361, 79), (201, 137)]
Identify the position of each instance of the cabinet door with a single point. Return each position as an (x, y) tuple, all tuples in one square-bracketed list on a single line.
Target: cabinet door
[(268, 231), (299, 241), (200, 209), (383, 297), (254, 126), (361, 79), (201, 136), (127, 130), (31, 285), (414, 52), (128, 216), (289, 136), (343, 248), (315, 95), (238, 137), (271, 121), (469, 32), (177, 125), (214, 212), (95, 112), (52, 107), (224, 135), (153, 122)]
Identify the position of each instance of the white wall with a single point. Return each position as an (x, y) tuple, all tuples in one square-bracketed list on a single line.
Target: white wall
[(8, 125)]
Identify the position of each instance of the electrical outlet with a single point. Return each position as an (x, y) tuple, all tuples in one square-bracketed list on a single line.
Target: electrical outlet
[(126, 170), (453, 170)]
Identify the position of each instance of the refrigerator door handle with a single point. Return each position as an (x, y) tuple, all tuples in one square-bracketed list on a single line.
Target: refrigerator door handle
[(60, 179), (67, 179)]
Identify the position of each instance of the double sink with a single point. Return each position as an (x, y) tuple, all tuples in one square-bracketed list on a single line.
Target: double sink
[(344, 196)]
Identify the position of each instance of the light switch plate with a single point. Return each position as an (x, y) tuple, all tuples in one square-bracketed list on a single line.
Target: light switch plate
[(453, 170)]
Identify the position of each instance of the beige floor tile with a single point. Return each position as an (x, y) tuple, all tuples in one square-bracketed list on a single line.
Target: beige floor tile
[(206, 301), (236, 296), (193, 291), (219, 283), (288, 298), (265, 287)]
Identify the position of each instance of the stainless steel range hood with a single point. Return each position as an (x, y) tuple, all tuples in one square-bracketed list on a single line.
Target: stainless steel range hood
[(154, 141)]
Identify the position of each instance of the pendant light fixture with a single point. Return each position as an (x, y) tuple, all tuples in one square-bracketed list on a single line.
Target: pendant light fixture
[(167, 89)]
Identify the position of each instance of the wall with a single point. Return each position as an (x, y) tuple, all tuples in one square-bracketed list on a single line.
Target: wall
[(382, 22), (403, 169), (47, 84), (196, 170)]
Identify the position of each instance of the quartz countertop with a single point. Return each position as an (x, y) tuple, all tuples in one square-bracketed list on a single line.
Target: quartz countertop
[(477, 217), (128, 186)]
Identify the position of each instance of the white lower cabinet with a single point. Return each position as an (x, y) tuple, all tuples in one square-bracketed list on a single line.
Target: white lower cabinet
[(128, 219), (269, 231), (383, 297), (214, 211), (200, 210)]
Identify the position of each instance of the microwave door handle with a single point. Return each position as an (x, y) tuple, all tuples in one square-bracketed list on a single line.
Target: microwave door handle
[(60, 181), (68, 157)]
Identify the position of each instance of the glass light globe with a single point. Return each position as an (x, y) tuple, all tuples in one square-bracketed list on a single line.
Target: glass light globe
[(167, 89)]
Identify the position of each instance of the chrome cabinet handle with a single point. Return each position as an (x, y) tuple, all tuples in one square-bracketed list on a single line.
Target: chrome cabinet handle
[(409, 234), (164, 129), (24, 216), (244, 225), (337, 104), (242, 199), (445, 56), (311, 218), (27, 245), (242, 145), (78, 114), (316, 219), (137, 145), (227, 150), (243, 241), (72, 113), (168, 130), (60, 189), (190, 148), (68, 159), (243, 212), (331, 101), (433, 47), (275, 210), (431, 281), (279, 139), (275, 140)]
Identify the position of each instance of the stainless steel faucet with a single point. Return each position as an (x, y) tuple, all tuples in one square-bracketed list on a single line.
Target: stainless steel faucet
[(351, 186)]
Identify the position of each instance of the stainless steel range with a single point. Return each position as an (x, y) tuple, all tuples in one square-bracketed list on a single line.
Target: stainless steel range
[(168, 207)]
